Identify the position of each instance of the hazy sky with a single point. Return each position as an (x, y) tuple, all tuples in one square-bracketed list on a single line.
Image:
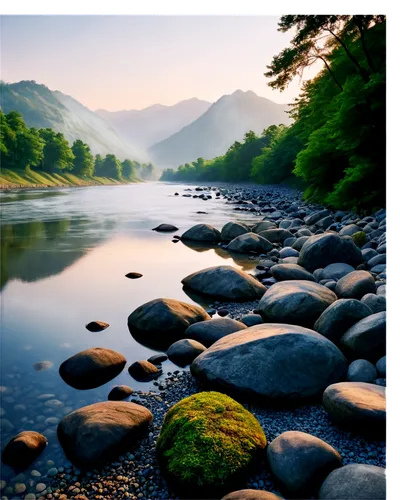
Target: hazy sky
[(130, 62)]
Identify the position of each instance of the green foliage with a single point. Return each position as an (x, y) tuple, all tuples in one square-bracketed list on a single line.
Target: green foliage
[(57, 154), (129, 169), (83, 161), (111, 167), (208, 440)]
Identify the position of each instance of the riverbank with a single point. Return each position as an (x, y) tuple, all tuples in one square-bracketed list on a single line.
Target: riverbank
[(135, 473), (34, 179)]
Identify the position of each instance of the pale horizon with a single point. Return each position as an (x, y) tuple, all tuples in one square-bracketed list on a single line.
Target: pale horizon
[(122, 63)]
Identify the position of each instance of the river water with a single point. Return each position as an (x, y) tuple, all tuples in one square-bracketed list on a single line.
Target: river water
[(64, 256)]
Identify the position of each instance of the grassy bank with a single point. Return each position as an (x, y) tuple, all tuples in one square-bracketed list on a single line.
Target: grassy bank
[(34, 178)]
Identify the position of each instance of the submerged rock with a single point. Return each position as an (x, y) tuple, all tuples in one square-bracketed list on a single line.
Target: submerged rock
[(91, 368), (165, 228), (133, 275), (232, 230), (144, 371), (99, 432), (202, 232), (96, 326), (120, 392), (23, 449)]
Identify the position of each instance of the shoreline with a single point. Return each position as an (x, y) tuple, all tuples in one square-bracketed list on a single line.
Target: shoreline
[(136, 473)]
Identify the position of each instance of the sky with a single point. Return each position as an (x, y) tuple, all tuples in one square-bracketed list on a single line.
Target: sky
[(131, 62)]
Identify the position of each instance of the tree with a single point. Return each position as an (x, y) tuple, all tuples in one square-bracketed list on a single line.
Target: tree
[(147, 171), (98, 166), (129, 168), (111, 167), (83, 162), (57, 154)]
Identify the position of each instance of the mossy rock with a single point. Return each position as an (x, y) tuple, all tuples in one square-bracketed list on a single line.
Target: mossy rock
[(208, 442), (359, 238)]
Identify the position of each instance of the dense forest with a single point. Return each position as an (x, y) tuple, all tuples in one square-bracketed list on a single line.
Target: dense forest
[(337, 143), (48, 151)]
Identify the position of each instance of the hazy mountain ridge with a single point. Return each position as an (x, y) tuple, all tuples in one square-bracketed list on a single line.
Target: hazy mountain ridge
[(155, 123), (42, 108), (226, 121)]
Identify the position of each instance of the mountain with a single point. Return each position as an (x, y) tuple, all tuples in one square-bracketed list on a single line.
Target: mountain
[(155, 123), (225, 122), (42, 108)]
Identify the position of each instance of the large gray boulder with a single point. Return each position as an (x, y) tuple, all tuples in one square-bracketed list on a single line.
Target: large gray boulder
[(296, 302), (357, 406), (271, 362), (203, 233), (99, 432), (23, 449), (276, 235), (300, 462), (285, 272), (161, 322), (250, 242), (208, 332), (232, 230), (366, 339), (336, 271), (339, 317), (91, 368), (225, 282), (316, 216), (377, 303), (355, 482), (355, 285), (361, 370), (323, 249), (264, 226), (183, 352)]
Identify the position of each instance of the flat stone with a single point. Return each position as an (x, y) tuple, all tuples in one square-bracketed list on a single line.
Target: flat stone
[(285, 272)]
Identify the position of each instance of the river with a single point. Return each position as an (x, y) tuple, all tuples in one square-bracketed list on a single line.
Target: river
[(64, 257)]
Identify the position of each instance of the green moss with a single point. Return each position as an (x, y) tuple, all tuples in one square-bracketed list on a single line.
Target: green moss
[(208, 440), (359, 238)]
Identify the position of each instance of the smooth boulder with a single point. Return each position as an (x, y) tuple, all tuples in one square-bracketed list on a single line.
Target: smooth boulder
[(271, 362), (355, 285), (377, 303), (252, 319), (357, 406), (203, 233), (300, 462), (23, 449), (339, 317), (381, 366), (296, 302), (161, 322), (328, 248), (208, 332), (91, 368), (183, 352), (250, 242), (120, 392), (275, 235), (336, 271), (232, 230), (99, 432), (144, 371), (285, 272), (355, 482), (361, 370), (366, 339), (225, 282)]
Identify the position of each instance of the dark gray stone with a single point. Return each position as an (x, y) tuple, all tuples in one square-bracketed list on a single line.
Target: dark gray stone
[(296, 302), (203, 233), (252, 319), (184, 351), (232, 230), (300, 462), (377, 303), (316, 216), (349, 230), (119, 393), (377, 259), (381, 366), (355, 482), (273, 362), (361, 370), (368, 253), (336, 271), (355, 285), (23, 449), (165, 228), (250, 242), (276, 235), (284, 272), (288, 252), (208, 332), (339, 317)]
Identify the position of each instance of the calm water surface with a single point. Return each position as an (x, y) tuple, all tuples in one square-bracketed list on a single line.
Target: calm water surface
[(64, 256)]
